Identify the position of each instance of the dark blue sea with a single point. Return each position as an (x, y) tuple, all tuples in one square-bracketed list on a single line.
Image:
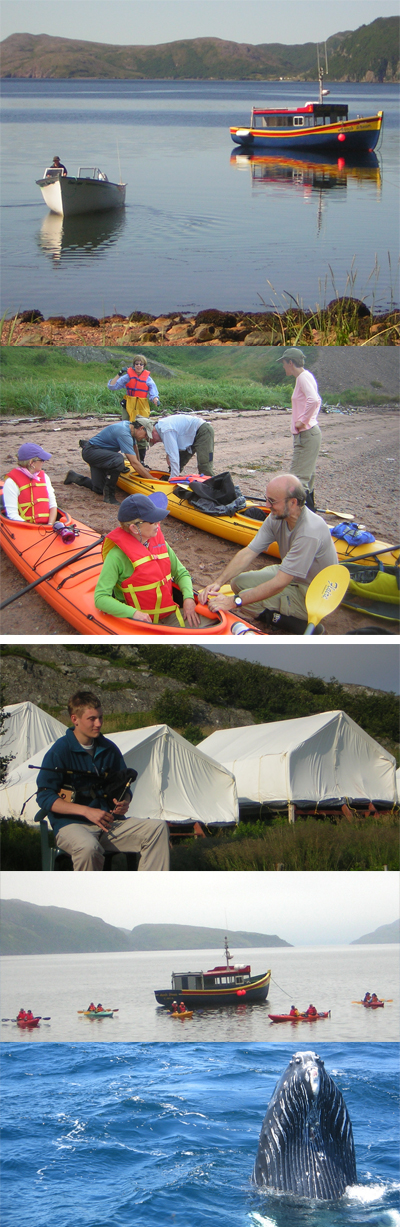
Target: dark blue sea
[(116, 1135), (203, 226)]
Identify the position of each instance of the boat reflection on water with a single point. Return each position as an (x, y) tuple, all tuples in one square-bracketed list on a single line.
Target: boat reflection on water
[(73, 238), (310, 173), (317, 174)]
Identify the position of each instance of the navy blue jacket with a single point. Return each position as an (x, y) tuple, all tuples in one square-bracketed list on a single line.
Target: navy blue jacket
[(68, 755)]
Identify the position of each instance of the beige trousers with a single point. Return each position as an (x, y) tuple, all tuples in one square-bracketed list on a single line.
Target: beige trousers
[(87, 843), (290, 601)]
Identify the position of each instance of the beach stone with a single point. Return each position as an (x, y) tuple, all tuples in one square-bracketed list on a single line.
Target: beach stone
[(259, 338), (177, 330)]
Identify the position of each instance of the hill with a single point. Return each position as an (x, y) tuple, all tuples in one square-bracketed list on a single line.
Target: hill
[(369, 53), (385, 935), (193, 937), (29, 929)]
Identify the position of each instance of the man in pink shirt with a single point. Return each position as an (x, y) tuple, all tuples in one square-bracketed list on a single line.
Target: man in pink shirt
[(306, 403)]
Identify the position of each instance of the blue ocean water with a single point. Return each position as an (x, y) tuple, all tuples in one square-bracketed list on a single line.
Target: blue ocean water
[(203, 225), (115, 1135)]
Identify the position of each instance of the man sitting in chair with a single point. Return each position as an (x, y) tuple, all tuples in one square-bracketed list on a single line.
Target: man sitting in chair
[(72, 791)]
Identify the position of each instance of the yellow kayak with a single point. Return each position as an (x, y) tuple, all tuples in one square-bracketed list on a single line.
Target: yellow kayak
[(243, 525)]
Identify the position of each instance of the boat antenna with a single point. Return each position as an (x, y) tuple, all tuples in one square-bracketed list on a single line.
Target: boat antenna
[(119, 163), (227, 951)]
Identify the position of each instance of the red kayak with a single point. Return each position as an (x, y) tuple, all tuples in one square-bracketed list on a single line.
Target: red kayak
[(278, 1018), (373, 1005), (27, 1022)]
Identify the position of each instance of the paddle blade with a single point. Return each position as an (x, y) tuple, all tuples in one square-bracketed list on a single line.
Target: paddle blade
[(325, 593)]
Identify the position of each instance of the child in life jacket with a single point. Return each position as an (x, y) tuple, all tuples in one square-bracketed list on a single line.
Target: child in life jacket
[(27, 492), (140, 568)]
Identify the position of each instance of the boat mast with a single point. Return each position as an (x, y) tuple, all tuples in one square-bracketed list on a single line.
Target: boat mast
[(321, 73), (227, 951)]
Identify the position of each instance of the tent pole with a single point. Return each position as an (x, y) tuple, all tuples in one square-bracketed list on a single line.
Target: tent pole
[(292, 812)]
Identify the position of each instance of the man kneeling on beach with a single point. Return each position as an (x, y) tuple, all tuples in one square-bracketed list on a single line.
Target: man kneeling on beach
[(72, 785)]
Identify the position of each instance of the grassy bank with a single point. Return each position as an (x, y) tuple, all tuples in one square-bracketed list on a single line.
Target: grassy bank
[(308, 845), (50, 383)]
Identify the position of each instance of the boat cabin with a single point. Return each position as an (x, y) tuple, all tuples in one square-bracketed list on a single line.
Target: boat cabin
[(218, 977), (312, 115)]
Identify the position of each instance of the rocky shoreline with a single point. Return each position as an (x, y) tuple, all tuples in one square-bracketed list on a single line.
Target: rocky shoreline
[(345, 321)]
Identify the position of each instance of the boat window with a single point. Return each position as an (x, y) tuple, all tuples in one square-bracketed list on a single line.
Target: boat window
[(239, 980), (298, 121)]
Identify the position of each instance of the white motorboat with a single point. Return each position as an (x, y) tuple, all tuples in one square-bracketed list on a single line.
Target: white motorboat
[(89, 192)]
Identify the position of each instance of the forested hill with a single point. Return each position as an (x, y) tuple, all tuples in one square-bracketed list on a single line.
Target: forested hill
[(369, 54), (27, 928)]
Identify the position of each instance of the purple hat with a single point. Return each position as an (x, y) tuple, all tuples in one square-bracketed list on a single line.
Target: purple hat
[(149, 508), (28, 451)]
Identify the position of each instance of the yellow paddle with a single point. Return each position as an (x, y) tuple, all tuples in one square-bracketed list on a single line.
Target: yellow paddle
[(325, 593)]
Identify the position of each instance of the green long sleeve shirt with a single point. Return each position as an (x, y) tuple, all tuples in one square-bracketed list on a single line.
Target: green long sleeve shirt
[(109, 595)]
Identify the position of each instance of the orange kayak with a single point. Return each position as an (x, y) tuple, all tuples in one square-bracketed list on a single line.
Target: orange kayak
[(37, 550)]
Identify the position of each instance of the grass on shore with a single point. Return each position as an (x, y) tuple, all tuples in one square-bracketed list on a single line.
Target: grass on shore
[(308, 845), (52, 384)]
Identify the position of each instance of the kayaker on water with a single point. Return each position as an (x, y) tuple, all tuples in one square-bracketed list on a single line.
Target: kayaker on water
[(312, 1012), (91, 1006), (28, 494), (306, 404), (183, 436), (140, 568), (277, 592), (106, 454), (293, 1012), (140, 390), (21, 1015), (87, 825)]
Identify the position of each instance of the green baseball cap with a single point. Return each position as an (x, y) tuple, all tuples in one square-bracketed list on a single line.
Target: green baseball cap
[(292, 355)]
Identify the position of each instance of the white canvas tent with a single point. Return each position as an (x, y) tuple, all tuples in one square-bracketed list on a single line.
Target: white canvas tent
[(321, 758), (176, 781), (26, 730)]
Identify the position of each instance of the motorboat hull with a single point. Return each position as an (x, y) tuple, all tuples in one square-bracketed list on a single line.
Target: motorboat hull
[(255, 990), (69, 196)]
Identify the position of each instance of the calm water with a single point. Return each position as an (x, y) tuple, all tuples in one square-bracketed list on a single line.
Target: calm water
[(203, 226), (331, 977), (116, 1135)]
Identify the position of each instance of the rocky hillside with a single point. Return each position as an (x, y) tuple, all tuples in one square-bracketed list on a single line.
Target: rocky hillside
[(369, 53)]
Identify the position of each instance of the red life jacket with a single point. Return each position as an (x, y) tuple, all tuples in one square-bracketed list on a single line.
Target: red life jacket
[(33, 498), (149, 587), (137, 385)]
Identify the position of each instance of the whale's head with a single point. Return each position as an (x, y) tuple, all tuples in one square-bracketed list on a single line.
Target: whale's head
[(306, 1145)]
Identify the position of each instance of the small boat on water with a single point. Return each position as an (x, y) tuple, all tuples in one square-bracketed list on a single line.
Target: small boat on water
[(68, 571), (27, 1022), (316, 125), (98, 1013), (280, 1018), (89, 191), (242, 526), (229, 984)]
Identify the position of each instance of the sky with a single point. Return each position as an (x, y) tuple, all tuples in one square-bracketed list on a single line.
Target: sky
[(249, 21), (302, 908), (375, 665)]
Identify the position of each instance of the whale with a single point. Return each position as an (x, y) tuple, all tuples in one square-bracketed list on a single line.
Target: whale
[(306, 1146)]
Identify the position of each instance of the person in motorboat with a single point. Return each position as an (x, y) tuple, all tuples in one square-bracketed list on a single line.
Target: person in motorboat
[(306, 404), (140, 568), (182, 435), (28, 494), (57, 165), (139, 387), (277, 593), (293, 1012), (106, 454), (86, 825)]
